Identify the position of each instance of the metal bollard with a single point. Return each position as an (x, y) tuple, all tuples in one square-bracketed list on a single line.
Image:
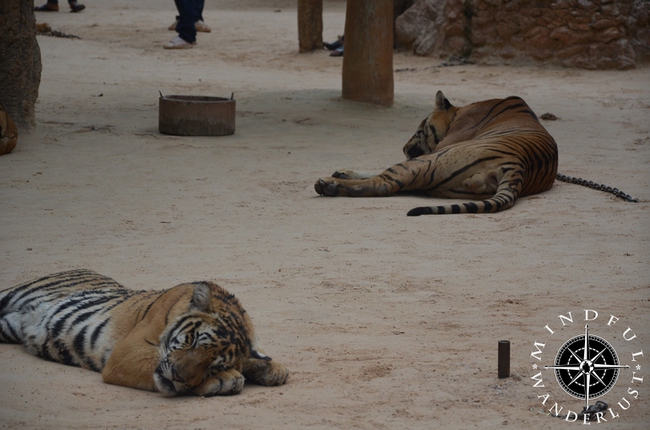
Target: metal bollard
[(504, 359)]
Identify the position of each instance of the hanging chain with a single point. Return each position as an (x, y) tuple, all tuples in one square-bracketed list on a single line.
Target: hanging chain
[(618, 193)]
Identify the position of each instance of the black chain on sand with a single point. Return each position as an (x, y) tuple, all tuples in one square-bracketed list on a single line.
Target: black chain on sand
[(596, 186)]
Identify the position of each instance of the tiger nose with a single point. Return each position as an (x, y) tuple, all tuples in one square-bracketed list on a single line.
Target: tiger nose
[(176, 377)]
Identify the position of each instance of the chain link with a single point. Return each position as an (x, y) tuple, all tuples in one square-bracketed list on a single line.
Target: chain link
[(596, 186)]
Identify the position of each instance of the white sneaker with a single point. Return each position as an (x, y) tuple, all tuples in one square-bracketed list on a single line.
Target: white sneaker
[(202, 26), (199, 26), (178, 43)]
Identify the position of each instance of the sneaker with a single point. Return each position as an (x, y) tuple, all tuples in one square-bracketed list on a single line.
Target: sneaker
[(202, 26), (199, 26), (76, 7), (178, 43), (338, 52), (47, 7)]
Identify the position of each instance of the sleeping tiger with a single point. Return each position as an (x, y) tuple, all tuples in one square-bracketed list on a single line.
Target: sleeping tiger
[(493, 150), (193, 339)]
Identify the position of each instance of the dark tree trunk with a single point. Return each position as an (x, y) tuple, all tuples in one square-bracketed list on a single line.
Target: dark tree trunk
[(20, 61), (368, 58), (310, 25)]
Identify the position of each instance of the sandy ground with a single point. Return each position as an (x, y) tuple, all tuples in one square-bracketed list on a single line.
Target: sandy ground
[(384, 321)]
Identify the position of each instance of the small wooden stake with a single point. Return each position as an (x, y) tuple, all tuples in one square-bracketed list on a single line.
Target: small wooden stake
[(504, 359)]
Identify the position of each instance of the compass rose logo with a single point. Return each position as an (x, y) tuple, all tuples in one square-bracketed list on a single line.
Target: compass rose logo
[(586, 367)]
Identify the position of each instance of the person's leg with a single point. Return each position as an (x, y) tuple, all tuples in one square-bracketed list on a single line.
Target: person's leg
[(200, 25), (199, 6), (189, 13)]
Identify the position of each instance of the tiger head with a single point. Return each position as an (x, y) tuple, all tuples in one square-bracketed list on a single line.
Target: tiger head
[(203, 342), (432, 129)]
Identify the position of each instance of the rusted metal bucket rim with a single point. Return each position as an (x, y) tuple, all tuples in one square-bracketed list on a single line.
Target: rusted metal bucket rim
[(197, 99), (185, 115)]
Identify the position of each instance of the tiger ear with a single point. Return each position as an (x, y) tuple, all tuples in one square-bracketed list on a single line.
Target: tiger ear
[(201, 298), (441, 102)]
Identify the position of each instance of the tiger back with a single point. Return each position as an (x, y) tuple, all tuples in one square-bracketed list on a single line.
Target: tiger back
[(194, 338), (493, 151)]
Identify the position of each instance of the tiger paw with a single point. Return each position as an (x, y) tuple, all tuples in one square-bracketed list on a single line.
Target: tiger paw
[(343, 174), (326, 187), (275, 374), (352, 174), (228, 382), (267, 373)]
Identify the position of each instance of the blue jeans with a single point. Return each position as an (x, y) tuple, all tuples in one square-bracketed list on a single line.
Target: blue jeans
[(189, 11)]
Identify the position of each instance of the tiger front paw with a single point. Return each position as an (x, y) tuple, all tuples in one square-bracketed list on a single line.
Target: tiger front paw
[(352, 174), (343, 174), (267, 373), (327, 187), (276, 374), (227, 382)]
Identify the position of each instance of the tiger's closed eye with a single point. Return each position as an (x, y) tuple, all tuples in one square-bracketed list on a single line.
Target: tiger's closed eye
[(201, 339)]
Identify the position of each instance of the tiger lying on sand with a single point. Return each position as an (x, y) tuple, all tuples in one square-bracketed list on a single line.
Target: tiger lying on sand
[(194, 338), (494, 151)]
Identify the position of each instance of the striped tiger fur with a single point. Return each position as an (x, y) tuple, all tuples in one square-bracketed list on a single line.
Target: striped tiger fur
[(194, 338), (494, 151)]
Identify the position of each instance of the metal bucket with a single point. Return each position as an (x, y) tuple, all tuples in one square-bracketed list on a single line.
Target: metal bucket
[(196, 115)]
